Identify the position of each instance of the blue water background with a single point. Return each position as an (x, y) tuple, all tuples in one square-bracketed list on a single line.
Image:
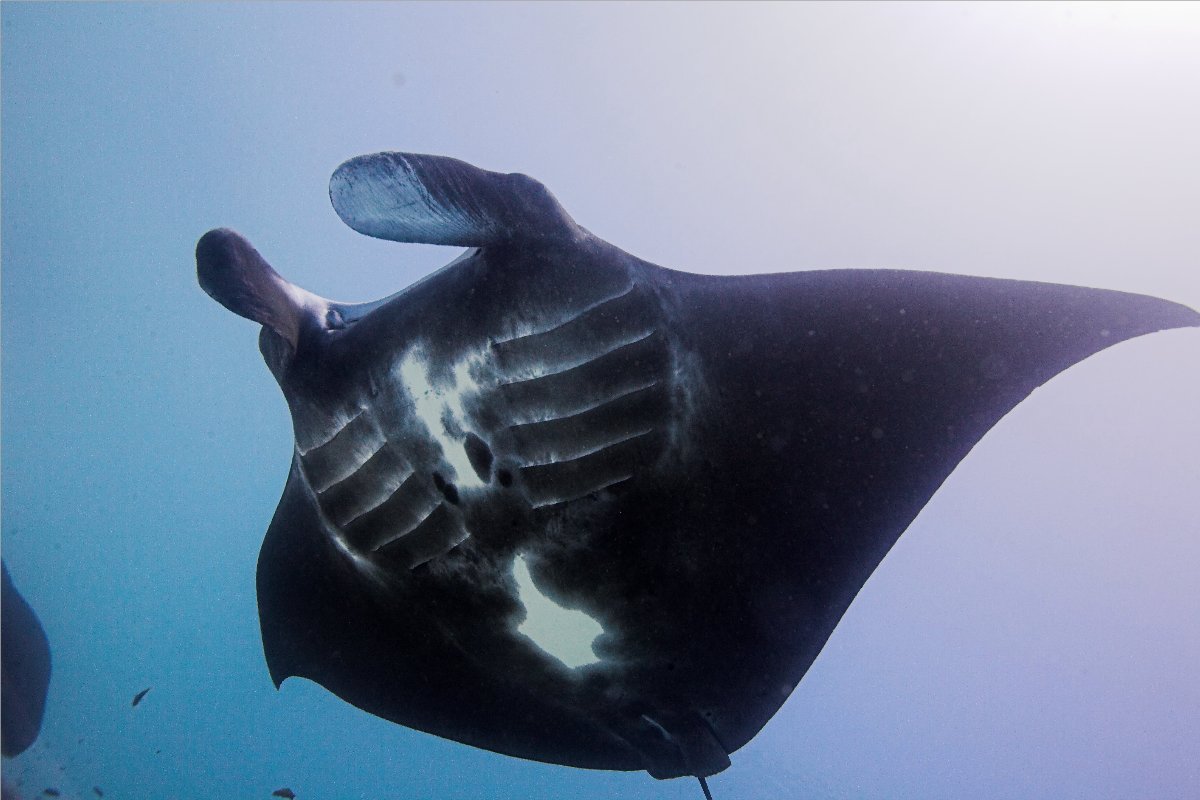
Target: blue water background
[(1036, 632)]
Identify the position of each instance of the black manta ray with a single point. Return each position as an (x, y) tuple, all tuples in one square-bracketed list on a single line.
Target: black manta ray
[(24, 670), (697, 473)]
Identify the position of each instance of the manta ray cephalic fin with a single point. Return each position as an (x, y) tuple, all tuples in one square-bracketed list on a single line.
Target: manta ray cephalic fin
[(406, 197)]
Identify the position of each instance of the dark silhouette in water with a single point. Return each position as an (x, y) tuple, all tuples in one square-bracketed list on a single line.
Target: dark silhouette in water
[(25, 666), (137, 698), (704, 470)]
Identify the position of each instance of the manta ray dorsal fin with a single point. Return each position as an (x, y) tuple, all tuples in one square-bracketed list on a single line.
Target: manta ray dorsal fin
[(405, 197)]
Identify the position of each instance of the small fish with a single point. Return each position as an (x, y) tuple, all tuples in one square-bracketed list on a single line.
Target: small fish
[(284, 792), (51, 792), (137, 698), (99, 792)]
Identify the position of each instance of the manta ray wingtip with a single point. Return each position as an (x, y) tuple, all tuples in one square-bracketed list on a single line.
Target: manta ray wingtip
[(1187, 317)]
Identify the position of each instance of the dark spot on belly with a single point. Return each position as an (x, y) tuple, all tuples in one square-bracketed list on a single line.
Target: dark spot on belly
[(480, 456), (448, 490), (505, 477)]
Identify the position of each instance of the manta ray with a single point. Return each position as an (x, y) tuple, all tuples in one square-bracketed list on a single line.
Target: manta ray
[(689, 476), (24, 670)]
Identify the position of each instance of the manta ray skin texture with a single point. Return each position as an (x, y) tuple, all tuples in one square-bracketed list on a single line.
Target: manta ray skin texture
[(699, 472)]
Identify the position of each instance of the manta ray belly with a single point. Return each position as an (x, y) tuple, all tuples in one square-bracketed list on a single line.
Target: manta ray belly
[(560, 408), (482, 486)]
